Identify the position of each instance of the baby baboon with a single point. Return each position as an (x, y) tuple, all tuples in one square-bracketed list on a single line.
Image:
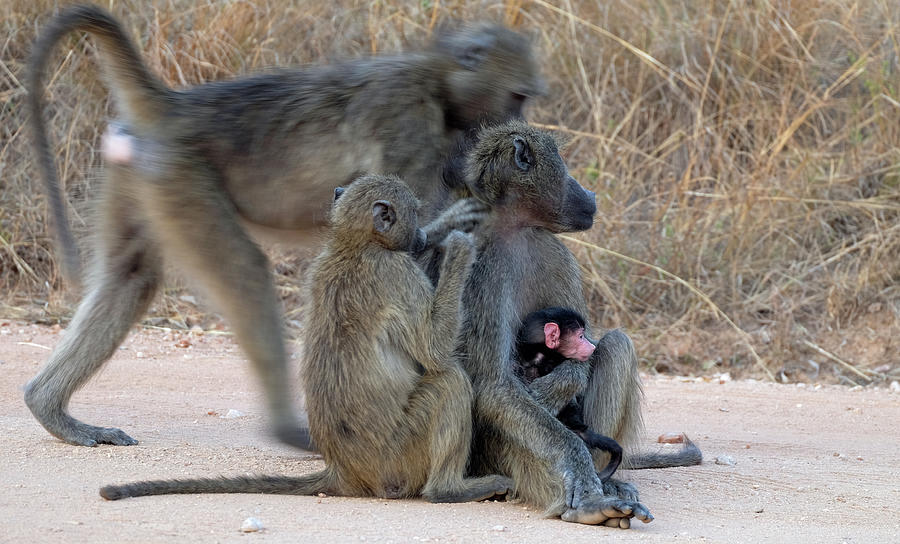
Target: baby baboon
[(389, 406), (546, 339), (520, 267), (185, 167)]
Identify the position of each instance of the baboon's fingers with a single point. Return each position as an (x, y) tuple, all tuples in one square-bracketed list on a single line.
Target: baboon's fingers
[(608, 511), (580, 489), (584, 516), (114, 436), (573, 490), (469, 205), (642, 513), (623, 490), (467, 214)]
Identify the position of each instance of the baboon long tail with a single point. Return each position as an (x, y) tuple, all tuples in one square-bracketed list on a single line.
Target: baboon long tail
[(689, 455), (310, 484), (139, 95)]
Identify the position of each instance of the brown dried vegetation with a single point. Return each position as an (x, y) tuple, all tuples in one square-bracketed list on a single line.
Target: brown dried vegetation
[(746, 156)]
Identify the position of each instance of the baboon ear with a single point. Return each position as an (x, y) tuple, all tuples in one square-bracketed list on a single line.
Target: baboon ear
[(383, 216), (551, 335), (472, 53), (338, 191), (524, 156)]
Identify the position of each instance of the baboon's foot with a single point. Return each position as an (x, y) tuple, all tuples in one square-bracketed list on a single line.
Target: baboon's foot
[(68, 429), (608, 511), (475, 489), (623, 490), (296, 436), (393, 491)]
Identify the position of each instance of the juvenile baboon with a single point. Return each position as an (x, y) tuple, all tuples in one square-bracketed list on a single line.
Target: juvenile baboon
[(545, 340), (521, 266), (184, 167), (389, 406)]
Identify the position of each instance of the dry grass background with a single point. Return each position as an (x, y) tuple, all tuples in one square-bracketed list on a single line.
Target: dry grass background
[(746, 155)]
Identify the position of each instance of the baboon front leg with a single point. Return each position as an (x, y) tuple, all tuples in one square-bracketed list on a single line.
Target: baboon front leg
[(446, 397), (203, 233), (124, 279)]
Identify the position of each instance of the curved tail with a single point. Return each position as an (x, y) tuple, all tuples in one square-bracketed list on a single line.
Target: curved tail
[(140, 96), (310, 484), (688, 455)]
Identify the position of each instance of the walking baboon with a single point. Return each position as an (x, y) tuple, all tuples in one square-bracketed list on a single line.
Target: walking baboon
[(522, 266), (545, 340), (389, 406), (184, 167)]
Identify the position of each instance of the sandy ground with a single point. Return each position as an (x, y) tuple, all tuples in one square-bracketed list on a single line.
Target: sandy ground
[(813, 464)]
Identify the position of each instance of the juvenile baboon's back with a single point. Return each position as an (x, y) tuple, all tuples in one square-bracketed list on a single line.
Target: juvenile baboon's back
[(356, 386)]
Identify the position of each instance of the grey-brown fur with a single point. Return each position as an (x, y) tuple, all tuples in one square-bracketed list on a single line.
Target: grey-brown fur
[(520, 267), (389, 405), (267, 150)]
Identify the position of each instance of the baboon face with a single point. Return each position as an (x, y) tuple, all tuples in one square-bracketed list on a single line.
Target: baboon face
[(496, 72), (517, 168), (381, 209)]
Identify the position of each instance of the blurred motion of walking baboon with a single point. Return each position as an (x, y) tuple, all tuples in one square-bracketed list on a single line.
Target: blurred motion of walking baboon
[(185, 168), (521, 266), (389, 405)]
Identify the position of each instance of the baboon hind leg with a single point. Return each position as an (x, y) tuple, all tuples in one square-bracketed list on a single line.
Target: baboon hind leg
[(446, 398), (126, 272), (206, 240), (612, 402)]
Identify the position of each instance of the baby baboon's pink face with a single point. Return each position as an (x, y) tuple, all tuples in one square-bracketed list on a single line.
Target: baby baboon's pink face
[(575, 345), (571, 344)]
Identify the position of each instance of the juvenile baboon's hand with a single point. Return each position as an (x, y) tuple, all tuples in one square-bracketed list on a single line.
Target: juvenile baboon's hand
[(459, 253), (608, 511), (459, 245)]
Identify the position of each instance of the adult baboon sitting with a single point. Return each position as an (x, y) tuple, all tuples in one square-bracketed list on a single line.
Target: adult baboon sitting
[(520, 267)]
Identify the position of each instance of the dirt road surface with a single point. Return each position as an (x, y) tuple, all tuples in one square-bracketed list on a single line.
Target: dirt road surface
[(812, 464)]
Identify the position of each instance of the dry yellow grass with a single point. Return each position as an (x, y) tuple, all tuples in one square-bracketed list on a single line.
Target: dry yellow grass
[(746, 154)]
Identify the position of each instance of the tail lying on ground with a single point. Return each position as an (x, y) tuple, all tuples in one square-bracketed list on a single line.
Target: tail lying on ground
[(310, 484), (688, 455), (139, 95)]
